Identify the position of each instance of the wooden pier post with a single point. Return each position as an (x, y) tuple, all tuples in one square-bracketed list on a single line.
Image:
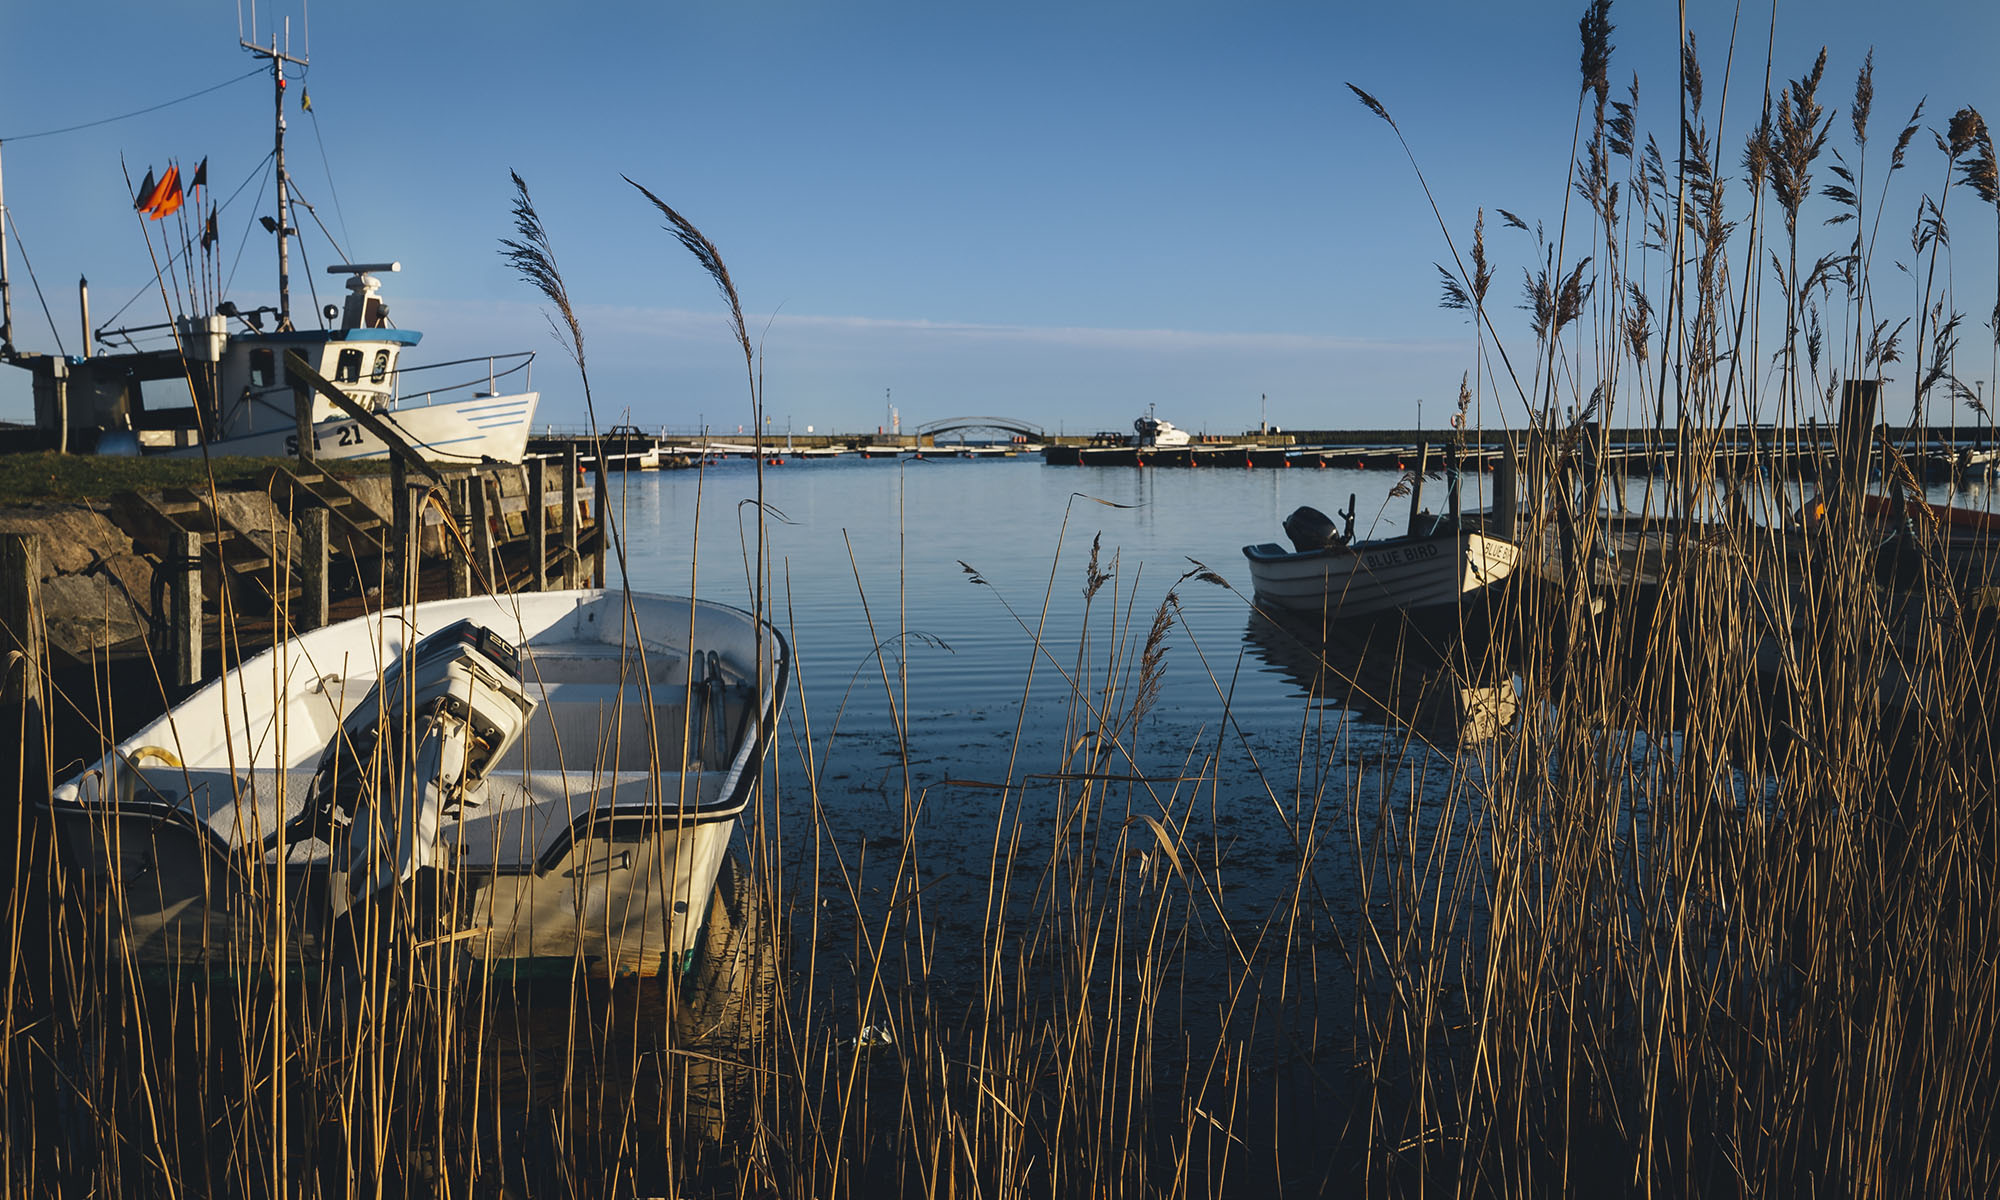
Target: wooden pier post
[(482, 537), (458, 546), (410, 539), (572, 531), (1592, 467), (396, 563), (1535, 467), (184, 612), (1853, 438), (24, 872), (1451, 481), (21, 617), (302, 408), (1417, 483), (538, 521), (1506, 491), (603, 515), (313, 555)]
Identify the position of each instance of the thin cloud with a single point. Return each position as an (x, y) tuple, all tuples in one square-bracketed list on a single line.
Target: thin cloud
[(639, 321)]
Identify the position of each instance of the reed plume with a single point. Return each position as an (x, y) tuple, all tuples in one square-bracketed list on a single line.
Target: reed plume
[(534, 260)]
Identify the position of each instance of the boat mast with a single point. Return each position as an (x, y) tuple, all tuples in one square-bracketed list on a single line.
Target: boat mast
[(285, 231), (6, 292)]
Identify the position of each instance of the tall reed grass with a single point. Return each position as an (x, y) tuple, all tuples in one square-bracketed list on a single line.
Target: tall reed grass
[(1714, 916)]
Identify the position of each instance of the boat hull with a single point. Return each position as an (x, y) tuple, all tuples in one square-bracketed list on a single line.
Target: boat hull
[(481, 429), (1408, 575)]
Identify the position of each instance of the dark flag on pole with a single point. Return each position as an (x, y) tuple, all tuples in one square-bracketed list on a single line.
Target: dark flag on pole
[(200, 175), (144, 200), (209, 235)]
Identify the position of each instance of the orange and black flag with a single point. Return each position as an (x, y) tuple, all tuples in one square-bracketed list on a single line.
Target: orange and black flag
[(167, 195), (209, 236)]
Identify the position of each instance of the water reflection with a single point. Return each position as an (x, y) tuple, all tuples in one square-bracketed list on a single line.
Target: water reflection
[(1393, 672)]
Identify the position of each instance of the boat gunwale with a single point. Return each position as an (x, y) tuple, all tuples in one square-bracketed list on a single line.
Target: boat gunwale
[(1274, 552)]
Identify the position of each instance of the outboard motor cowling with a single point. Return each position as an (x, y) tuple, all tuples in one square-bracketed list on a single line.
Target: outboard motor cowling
[(1310, 529), (413, 749)]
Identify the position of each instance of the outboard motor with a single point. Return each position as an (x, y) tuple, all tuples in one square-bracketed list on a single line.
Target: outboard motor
[(411, 753), (1310, 529)]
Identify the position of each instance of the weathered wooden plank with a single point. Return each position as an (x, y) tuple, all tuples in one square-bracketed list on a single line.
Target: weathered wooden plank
[(538, 522), (184, 625), (21, 621), (315, 600)]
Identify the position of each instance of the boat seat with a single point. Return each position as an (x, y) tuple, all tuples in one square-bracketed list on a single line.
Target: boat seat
[(587, 665)]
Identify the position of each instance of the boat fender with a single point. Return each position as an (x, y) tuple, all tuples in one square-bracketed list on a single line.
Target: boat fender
[(160, 752), (127, 780)]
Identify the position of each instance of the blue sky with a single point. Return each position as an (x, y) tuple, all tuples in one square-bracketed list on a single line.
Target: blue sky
[(1058, 212)]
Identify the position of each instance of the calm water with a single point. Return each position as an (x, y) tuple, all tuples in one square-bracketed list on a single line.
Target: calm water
[(1285, 801), (1235, 754), (892, 540)]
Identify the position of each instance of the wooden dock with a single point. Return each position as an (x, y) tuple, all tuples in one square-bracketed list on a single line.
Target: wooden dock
[(182, 584)]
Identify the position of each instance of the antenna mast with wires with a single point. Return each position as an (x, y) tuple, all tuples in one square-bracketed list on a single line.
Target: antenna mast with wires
[(279, 59)]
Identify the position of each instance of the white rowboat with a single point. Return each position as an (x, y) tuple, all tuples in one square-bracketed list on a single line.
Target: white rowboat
[(571, 800)]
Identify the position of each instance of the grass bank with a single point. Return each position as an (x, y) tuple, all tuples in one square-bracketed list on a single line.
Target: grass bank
[(26, 478)]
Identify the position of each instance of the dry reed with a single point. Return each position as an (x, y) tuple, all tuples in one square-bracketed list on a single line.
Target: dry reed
[(1713, 916)]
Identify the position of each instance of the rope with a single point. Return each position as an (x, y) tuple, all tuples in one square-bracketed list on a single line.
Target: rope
[(23, 137), (331, 189), (33, 279)]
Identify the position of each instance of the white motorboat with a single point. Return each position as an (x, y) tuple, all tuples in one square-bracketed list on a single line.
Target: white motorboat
[(1150, 434), (1327, 574), (1154, 433), (218, 374), (560, 772)]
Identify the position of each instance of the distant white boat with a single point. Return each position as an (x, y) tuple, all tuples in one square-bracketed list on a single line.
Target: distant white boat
[(560, 771), (1361, 579), (1154, 433)]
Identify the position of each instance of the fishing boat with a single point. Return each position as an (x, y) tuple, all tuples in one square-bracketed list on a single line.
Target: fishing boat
[(230, 374), (1327, 572), (558, 772)]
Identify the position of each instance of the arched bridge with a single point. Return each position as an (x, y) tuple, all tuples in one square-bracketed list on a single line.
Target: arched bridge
[(1008, 425)]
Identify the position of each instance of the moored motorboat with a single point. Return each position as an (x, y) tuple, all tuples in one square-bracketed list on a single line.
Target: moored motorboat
[(1154, 433), (559, 772), (1151, 437), (1438, 566)]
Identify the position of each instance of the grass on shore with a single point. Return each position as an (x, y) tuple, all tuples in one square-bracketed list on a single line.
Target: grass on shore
[(25, 478)]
